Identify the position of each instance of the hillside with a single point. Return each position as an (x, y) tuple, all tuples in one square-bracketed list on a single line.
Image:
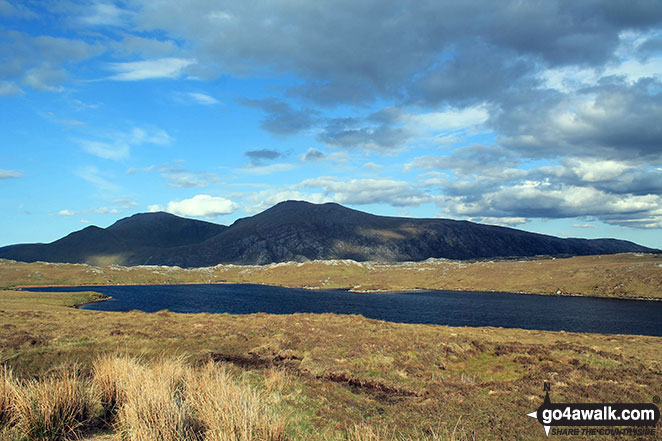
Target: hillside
[(130, 241), (300, 231)]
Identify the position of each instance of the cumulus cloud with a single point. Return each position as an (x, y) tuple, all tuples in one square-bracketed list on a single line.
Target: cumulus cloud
[(263, 155), (392, 128), (40, 62), (477, 73), (312, 154), (541, 200), (607, 191), (369, 191), (281, 118), (374, 53), (202, 205), (354, 133), (613, 121), (473, 159)]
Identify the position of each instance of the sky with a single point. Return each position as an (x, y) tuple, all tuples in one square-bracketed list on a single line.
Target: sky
[(540, 115)]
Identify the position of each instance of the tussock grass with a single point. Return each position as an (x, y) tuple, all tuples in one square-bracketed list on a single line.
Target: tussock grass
[(165, 400), (7, 395), (155, 407), (58, 407), (111, 375), (169, 400), (232, 410)]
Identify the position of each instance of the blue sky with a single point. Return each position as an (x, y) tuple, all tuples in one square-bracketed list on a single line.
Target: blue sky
[(541, 115)]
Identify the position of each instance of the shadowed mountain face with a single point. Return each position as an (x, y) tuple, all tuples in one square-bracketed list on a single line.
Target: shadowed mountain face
[(129, 241), (301, 231)]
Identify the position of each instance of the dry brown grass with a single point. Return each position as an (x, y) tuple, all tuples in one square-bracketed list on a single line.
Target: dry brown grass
[(232, 410), (328, 372), (155, 407), (58, 407), (111, 373), (171, 401), (7, 395), (164, 400)]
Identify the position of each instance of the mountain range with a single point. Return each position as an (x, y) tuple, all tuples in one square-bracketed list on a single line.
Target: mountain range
[(300, 231)]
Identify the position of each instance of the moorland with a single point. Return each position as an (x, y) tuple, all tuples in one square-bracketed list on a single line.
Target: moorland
[(307, 376)]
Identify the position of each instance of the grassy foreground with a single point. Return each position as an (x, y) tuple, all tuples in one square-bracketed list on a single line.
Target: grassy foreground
[(619, 275), (312, 377)]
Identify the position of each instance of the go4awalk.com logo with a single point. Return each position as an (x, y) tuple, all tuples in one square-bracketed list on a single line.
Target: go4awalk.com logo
[(638, 419)]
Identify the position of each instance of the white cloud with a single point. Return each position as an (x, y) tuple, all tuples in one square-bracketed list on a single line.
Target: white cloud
[(267, 169), (106, 210), (596, 170), (142, 136), (503, 221), (449, 119), (7, 88), (154, 208), (370, 191), (96, 177), (45, 77), (373, 166), (66, 213), (186, 180), (118, 146), (100, 14), (115, 151), (150, 69), (202, 205), (10, 174), (40, 62), (536, 199), (584, 226), (202, 98)]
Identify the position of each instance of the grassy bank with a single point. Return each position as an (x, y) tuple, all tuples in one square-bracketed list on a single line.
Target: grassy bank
[(619, 275), (342, 377)]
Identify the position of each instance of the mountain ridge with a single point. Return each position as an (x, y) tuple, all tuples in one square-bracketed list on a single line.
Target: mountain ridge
[(300, 231)]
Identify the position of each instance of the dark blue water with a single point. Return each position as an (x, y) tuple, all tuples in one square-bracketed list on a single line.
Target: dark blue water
[(573, 314)]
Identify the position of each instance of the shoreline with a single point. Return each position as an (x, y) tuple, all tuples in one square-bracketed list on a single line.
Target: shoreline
[(352, 290), (98, 300), (19, 287)]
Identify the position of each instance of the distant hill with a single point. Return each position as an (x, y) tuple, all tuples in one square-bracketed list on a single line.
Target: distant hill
[(300, 231), (129, 241)]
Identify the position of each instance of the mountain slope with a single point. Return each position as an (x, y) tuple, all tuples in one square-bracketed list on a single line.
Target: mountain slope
[(129, 241), (296, 230)]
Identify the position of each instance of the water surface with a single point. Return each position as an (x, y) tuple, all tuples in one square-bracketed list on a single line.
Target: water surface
[(555, 313)]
